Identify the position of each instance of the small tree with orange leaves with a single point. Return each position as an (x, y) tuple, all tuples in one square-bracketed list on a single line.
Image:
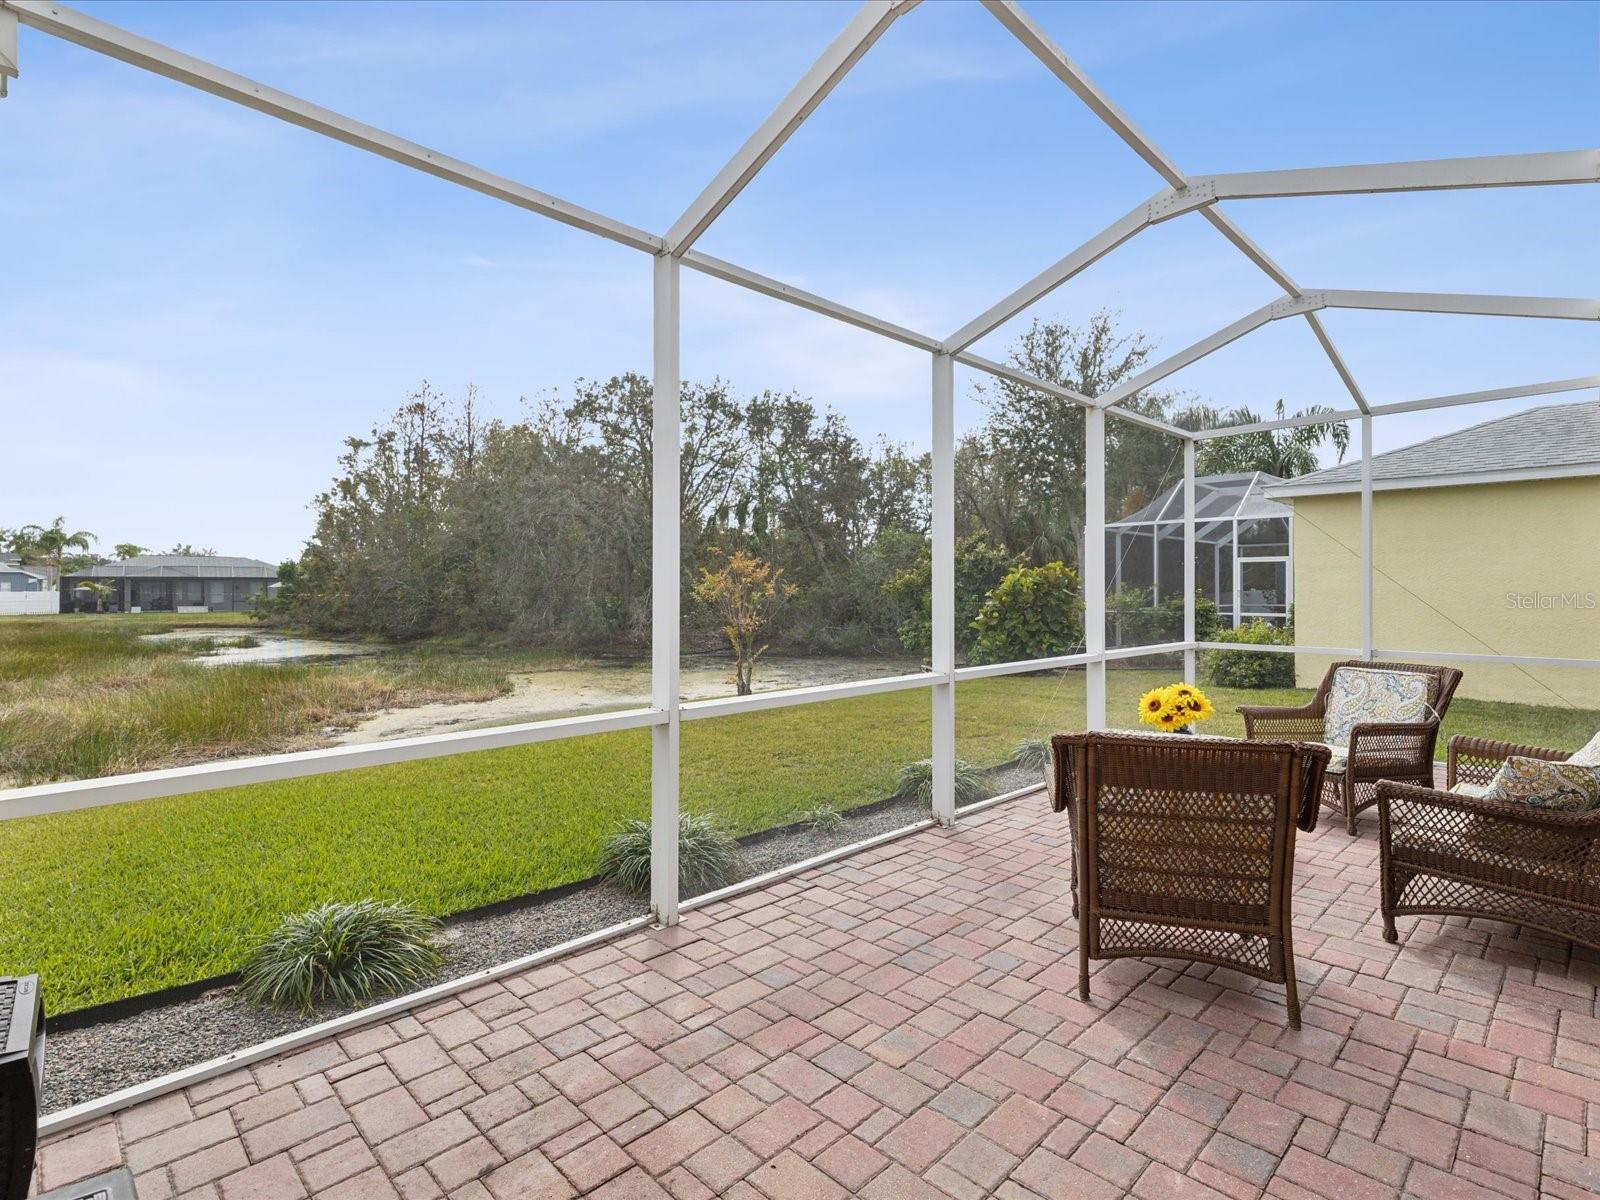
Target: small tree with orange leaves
[(746, 595)]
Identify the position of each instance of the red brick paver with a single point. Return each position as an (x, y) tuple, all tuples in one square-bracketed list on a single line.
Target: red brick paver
[(906, 1023)]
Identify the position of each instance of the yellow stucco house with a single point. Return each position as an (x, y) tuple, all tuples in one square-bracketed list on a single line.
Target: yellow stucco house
[(1486, 541)]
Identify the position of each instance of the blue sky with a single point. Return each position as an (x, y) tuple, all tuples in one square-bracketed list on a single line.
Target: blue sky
[(200, 302)]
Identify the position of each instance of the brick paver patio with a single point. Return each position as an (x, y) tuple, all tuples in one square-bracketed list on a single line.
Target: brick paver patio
[(905, 1023)]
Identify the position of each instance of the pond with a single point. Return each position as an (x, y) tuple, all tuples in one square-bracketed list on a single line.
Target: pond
[(221, 648), (589, 687)]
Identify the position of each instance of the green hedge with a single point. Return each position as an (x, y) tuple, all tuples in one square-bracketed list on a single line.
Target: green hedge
[(1251, 668)]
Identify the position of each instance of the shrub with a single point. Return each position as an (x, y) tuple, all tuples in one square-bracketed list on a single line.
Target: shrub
[(916, 782), (980, 565), (1034, 612), (344, 953), (745, 594), (1032, 754), (1250, 668), (707, 857), (1139, 623)]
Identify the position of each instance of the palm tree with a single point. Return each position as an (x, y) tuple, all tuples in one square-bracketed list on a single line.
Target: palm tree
[(128, 550), (51, 542), (1281, 452), (103, 590)]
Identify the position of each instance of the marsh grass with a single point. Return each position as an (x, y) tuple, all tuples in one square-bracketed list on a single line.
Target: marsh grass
[(86, 697)]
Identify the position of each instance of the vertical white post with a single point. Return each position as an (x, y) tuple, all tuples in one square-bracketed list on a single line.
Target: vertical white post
[(1238, 580), (1368, 639), (1094, 560), (1190, 667), (1216, 574), (944, 588), (665, 580), (1155, 564)]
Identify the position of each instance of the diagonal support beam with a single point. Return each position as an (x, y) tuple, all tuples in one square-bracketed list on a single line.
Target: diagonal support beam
[(1337, 359), (767, 286), (1548, 308), (1163, 206), (1427, 175), (1277, 310), (1224, 224), (1024, 29), (1024, 379), (82, 30), (1063, 68), (865, 28)]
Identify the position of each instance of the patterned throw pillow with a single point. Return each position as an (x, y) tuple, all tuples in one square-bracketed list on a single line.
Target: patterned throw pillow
[(1589, 756), (1563, 786), (1360, 695)]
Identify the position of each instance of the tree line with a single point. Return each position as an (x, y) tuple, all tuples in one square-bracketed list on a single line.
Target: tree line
[(442, 522)]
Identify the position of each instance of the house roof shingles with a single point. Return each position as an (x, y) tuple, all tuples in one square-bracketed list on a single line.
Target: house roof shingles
[(180, 566), (1558, 438)]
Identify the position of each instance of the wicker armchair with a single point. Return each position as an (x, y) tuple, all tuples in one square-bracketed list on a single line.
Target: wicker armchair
[(1452, 854), (1183, 847), (1400, 751)]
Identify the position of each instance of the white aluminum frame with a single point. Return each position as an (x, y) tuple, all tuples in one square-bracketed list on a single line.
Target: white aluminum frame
[(1180, 195)]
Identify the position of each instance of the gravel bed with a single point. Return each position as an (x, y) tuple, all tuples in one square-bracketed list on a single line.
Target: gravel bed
[(81, 1064)]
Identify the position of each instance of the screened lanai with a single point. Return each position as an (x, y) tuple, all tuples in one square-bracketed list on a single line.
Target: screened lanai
[(888, 1016), (1245, 544)]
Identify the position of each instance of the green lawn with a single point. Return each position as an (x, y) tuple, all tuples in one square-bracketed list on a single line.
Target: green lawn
[(115, 901)]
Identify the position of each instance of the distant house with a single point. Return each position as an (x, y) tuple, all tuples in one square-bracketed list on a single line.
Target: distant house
[(14, 577), (172, 583), (1484, 543)]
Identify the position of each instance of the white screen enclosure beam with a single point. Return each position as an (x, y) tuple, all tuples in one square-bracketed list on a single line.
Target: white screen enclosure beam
[(1538, 307), (865, 28), (82, 30), (1427, 175), (665, 624)]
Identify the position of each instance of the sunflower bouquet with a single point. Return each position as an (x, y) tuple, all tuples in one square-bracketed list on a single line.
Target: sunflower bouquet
[(1175, 707)]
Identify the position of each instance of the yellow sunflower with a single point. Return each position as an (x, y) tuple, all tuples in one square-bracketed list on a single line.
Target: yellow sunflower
[(1151, 705), (1175, 706)]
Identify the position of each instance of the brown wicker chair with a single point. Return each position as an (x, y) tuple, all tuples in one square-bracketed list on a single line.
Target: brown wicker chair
[(1400, 751), (1449, 854), (1183, 847)]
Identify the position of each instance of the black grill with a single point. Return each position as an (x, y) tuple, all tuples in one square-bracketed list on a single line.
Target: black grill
[(21, 1081)]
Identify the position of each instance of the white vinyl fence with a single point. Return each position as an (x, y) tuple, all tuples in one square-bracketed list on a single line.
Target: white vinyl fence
[(17, 603)]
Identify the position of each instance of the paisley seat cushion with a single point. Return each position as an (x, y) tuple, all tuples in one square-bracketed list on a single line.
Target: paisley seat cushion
[(1538, 783), (1362, 695)]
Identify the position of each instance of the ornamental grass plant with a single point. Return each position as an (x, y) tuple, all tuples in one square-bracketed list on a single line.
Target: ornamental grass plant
[(344, 953)]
